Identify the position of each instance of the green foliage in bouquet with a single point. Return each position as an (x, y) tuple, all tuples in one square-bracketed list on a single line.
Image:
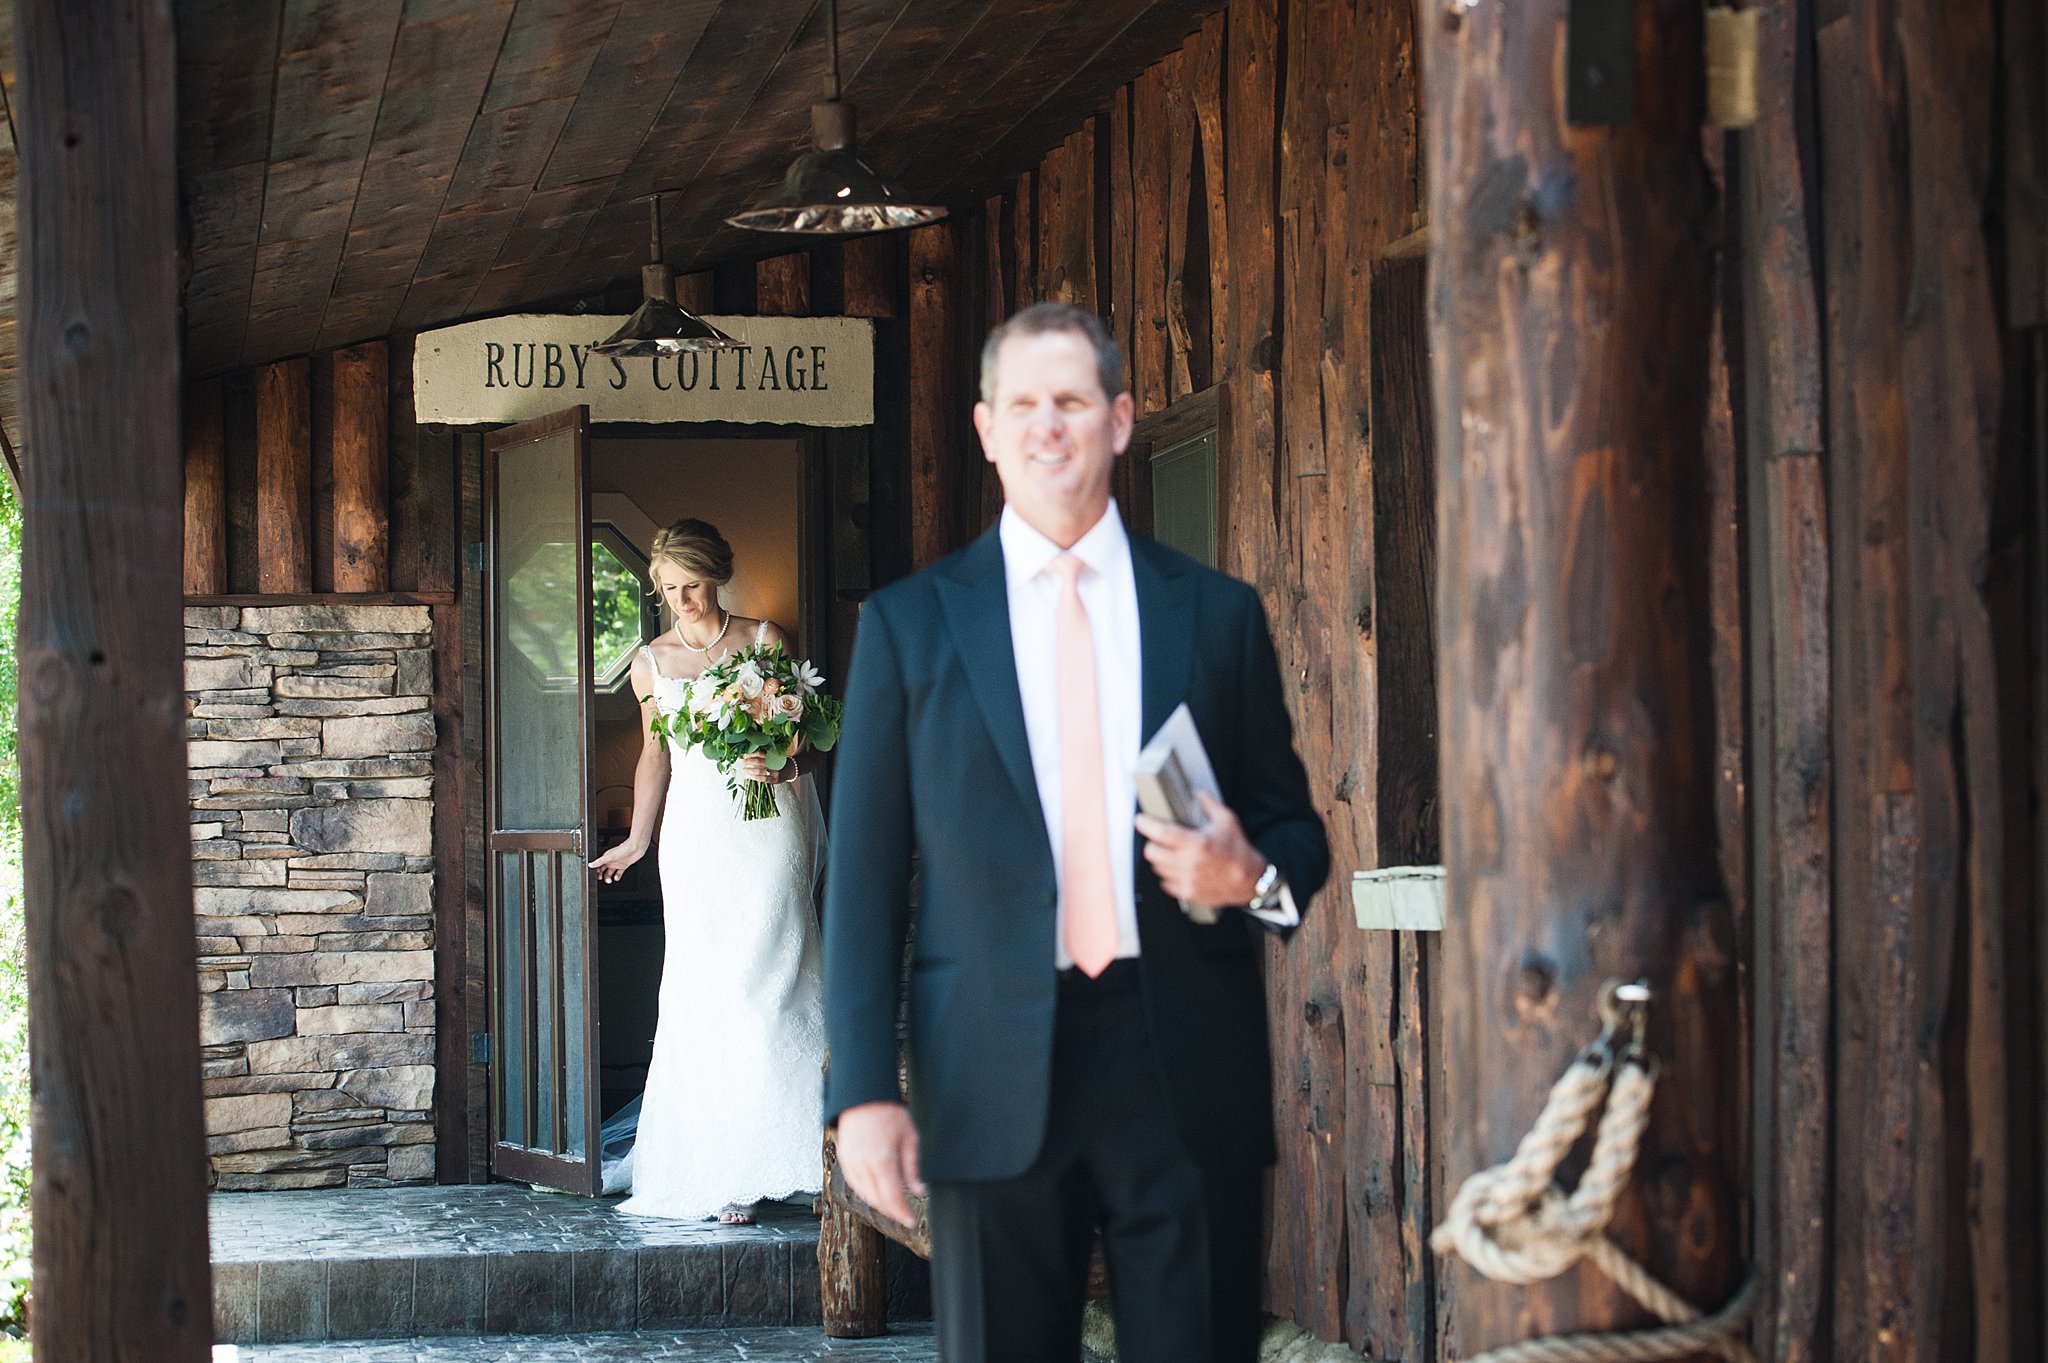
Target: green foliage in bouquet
[(755, 700)]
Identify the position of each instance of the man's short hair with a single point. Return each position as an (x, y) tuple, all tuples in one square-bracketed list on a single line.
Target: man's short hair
[(1043, 318)]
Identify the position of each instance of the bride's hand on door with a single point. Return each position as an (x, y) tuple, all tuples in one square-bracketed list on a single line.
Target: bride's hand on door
[(615, 863)]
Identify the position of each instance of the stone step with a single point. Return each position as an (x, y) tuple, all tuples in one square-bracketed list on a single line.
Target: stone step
[(905, 1344), (399, 1263)]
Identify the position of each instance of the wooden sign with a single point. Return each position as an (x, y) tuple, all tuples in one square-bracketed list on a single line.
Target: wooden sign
[(800, 371)]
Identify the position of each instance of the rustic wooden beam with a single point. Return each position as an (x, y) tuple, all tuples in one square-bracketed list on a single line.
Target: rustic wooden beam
[(1182, 152), (120, 1250), (695, 292), (284, 478), (1205, 87), (1791, 767), (936, 446), (782, 285), (206, 491), (361, 424), (1151, 155), (1578, 829), (872, 275)]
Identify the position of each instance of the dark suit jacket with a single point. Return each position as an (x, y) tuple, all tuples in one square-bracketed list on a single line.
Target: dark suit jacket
[(934, 758)]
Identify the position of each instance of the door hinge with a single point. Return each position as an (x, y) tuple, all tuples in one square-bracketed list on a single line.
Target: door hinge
[(479, 1048), (473, 557)]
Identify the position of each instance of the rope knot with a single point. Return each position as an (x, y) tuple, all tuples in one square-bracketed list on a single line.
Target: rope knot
[(1514, 1224)]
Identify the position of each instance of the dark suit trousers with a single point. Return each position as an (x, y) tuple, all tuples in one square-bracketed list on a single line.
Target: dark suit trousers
[(1010, 1257)]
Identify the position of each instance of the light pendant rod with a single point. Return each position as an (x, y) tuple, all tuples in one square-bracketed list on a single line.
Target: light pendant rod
[(832, 46)]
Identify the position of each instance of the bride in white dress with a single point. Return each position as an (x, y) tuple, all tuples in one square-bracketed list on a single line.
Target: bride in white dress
[(731, 1115)]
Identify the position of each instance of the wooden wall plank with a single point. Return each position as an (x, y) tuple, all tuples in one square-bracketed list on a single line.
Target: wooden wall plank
[(238, 410), (1182, 150), (320, 410), (206, 492), (362, 427), (1123, 227), (1046, 223), (696, 292), (284, 478), (454, 1003), (1205, 87), (1313, 481), (936, 452), (474, 1090), (782, 285), (872, 275), (1025, 206), (1151, 158), (1073, 271), (1791, 770), (119, 1207)]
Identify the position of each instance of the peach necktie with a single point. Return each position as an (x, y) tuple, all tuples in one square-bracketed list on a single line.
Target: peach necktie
[(1085, 881)]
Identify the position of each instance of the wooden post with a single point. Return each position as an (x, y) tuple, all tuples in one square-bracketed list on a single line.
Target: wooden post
[(121, 1271), (206, 492), (935, 412), (1577, 751), (782, 285), (284, 478), (362, 464)]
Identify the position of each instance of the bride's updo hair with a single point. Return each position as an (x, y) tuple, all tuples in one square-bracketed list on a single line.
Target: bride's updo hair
[(697, 548)]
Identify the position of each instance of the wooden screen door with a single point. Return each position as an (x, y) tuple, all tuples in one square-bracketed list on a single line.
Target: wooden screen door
[(544, 1085)]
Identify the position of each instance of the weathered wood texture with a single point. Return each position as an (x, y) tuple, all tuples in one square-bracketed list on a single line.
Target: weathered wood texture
[(1578, 809), (119, 1202), (206, 490), (937, 452), (361, 427), (284, 478), (1924, 1228), (321, 487)]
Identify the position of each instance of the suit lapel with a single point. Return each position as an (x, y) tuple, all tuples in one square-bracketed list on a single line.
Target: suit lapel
[(1166, 628), (976, 601)]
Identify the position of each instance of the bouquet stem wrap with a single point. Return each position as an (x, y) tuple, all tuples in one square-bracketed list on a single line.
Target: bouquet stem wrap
[(757, 700)]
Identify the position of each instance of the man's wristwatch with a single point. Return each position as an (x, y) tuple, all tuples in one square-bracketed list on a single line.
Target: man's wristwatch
[(1266, 894)]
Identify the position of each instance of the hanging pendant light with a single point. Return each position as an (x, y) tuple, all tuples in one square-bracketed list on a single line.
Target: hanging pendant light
[(658, 326), (830, 190)]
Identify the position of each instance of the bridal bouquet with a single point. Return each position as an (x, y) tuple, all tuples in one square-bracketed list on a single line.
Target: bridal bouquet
[(756, 700)]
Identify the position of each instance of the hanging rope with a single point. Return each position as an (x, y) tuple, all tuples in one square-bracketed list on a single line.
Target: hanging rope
[(1513, 1224)]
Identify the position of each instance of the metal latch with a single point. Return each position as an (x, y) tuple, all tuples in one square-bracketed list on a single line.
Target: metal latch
[(479, 1048), (1732, 55)]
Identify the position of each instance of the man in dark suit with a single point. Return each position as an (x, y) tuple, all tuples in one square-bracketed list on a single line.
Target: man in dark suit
[(1083, 1052)]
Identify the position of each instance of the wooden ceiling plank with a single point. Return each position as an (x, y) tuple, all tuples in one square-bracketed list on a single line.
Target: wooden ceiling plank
[(552, 222), (742, 50), (332, 59), (779, 117), (505, 153), (632, 80), (549, 50), (546, 62), (1069, 75), (945, 116), (941, 57), (441, 62), (227, 65)]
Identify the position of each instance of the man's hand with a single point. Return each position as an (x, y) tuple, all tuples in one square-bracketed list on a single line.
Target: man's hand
[(878, 1152), (1212, 865)]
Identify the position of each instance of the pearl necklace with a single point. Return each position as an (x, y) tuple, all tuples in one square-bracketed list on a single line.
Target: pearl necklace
[(706, 650)]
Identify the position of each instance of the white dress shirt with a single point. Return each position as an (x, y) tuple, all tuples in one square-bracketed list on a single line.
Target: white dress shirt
[(1109, 593)]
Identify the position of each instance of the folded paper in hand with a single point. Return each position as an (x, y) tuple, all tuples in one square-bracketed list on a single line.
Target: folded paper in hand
[(1171, 769)]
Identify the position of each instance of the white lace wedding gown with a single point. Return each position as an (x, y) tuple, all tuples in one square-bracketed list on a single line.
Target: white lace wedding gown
[(732, 1110)]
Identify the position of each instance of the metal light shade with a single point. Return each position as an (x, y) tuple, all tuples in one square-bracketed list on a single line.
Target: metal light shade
[(831, 190), (659, 327)]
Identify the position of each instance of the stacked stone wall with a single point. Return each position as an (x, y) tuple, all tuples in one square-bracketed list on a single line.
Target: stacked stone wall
[(310, 741)]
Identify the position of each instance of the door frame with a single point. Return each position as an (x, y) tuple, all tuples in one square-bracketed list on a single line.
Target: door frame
[(819, 446), (529, 1165)]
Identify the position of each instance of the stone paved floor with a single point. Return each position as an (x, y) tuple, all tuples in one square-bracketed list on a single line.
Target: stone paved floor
[(496, 1218), (908, 1344)]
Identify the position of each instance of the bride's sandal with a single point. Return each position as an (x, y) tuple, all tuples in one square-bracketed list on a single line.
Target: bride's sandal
[(736, 1216)]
